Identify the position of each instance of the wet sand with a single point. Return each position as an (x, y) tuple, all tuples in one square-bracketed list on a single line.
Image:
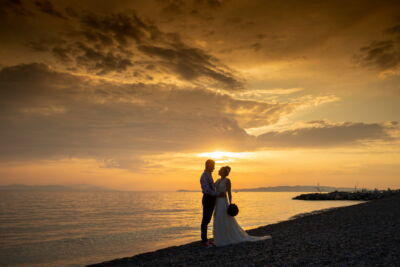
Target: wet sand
[(366, 234)]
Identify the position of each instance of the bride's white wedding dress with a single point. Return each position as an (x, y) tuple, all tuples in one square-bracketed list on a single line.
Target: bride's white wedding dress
[(226, 230)]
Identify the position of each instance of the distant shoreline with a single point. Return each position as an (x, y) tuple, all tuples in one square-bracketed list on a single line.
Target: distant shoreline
[(361, 234), (295, 188), (93, 188)]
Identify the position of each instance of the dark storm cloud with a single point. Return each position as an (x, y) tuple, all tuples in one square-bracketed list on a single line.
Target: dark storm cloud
[(167, 49), (324, 134), (13, 6), (394, 30), (173, 8), (95, 53), (113, 42), (46, 44), (103, 62), (97, 61), (121, 27), (210, 3), (384, 54), (47, 7), (62, 53), (92, 58), (49, 114), (381, 54), (98, 37), (101, 45), (37, 74), (192, 63)]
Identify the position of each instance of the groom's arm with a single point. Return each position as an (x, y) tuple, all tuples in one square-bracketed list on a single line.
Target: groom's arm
[(205, 185)]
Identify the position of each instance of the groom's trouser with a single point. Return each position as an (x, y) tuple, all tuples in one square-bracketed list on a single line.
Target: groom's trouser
[(208, 208)]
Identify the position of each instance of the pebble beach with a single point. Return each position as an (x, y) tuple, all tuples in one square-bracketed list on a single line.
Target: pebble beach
[(367, 234)]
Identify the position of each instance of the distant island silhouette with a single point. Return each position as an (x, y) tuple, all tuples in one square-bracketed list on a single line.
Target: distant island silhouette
[(295, 188), (94, 188)]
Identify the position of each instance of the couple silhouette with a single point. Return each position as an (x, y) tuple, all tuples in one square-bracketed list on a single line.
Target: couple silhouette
[(226, 229)]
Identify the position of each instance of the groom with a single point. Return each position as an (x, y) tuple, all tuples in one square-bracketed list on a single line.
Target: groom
[(209, 196)]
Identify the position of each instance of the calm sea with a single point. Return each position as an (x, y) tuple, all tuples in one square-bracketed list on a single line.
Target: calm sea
[(77, 228)]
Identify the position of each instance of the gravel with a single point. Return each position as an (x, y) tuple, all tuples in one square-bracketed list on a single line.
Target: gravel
[(366, 234)]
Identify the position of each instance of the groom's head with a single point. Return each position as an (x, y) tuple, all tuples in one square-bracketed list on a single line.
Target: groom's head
[(210, 165)]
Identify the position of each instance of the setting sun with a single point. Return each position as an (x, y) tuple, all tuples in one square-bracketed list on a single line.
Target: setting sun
[(218, 155), (224, 155)]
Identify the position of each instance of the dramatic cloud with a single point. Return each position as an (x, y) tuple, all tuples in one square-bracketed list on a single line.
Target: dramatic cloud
[(324, 134), (192, 63), (50, 114), (96, 60), (385, 54), (381, 54), (13, 7), (122, 43), (150, 85), (47, 7)]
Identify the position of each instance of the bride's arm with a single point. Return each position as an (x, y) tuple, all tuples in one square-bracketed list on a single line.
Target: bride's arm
[(228, 189)]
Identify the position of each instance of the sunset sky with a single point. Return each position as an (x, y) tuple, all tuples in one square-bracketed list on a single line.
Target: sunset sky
[(136, 95)]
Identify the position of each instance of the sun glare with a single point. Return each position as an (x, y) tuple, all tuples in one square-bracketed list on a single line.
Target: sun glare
[(222, 155), (215, 154)]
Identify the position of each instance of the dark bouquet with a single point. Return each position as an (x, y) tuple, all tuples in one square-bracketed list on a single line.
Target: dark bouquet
[(232, 210)]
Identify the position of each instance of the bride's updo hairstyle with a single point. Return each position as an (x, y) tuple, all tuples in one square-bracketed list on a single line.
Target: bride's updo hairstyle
[(228, 170), (224, 171)]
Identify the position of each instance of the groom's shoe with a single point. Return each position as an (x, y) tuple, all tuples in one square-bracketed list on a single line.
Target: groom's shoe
[(206, 244), (211, 243)]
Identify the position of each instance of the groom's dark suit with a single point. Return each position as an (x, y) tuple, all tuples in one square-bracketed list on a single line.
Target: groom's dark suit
[(208, 201)]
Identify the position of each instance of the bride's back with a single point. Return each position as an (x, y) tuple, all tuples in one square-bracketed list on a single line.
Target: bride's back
[(220, 185)]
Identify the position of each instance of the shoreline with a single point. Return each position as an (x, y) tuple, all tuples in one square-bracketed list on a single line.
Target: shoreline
[(367, 233)]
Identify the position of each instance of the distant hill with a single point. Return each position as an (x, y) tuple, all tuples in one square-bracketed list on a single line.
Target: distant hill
[(296, 188), (65, 188)]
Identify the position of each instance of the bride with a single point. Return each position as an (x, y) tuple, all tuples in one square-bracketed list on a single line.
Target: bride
[(226, 230)]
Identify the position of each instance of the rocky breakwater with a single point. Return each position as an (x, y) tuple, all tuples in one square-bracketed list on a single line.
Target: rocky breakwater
[(357, 195)]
